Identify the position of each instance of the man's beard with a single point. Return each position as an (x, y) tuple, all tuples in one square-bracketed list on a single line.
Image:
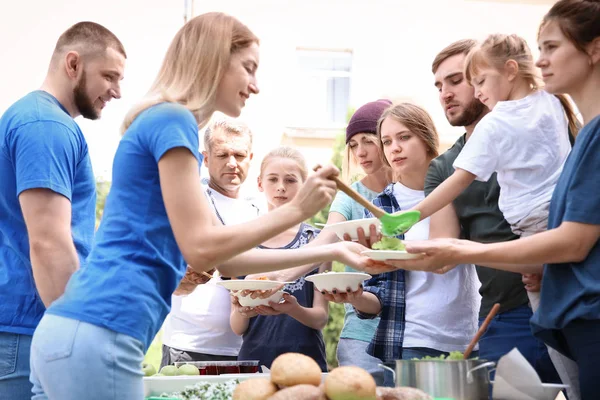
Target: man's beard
[(470, 114), (84, 104)]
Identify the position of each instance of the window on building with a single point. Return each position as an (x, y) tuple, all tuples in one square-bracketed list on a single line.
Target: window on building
[(322, 88)]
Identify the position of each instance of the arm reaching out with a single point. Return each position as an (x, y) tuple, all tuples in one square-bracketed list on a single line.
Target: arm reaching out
[(445, 193)]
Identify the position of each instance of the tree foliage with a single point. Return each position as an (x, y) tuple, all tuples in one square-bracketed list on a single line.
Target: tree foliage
[(335, 323)]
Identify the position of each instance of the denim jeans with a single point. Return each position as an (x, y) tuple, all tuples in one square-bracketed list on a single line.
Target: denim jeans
[(74, 360), (581, 339), (512, 329), (354, 352), (14, 366)]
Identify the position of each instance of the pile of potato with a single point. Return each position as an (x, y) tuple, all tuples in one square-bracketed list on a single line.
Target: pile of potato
[(298, 377)]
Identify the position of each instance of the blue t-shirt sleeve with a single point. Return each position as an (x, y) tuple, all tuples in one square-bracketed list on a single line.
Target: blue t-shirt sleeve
[(583, 192), (170, 127), (45, 155), (342, 204)]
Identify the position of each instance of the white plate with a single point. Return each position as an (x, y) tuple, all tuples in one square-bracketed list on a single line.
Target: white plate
[(338, 280), (247, 301), (250, 284), (382, 255), (350, 227)]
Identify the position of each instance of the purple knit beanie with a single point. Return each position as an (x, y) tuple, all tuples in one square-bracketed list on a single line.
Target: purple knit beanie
[(365, 118)]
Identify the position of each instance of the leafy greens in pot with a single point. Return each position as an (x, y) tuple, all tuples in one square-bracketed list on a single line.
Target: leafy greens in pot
[(453, 356)]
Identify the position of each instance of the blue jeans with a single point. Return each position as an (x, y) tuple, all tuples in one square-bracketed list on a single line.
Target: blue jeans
[(512, 329), (14, 366), (354, 352), (74, 360), (581, 342)]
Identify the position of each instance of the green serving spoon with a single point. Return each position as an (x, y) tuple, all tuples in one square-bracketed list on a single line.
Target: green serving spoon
[(391, 224)]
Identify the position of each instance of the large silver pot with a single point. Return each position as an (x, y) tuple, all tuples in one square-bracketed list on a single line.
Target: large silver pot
[(455, 379)]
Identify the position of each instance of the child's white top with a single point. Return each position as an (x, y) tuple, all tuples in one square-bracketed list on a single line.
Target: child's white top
[(526, 142)]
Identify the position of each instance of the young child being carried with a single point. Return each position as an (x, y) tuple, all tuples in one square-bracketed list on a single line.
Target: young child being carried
[(524, 139)]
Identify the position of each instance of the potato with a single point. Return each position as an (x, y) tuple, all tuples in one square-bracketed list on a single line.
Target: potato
[(401, 393), (350, 383), (322, 390), (291, 369), (254, 389), (298, 392)]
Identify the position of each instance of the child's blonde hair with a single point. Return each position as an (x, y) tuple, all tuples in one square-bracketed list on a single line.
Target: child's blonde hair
[(496, 50), (289, 153)]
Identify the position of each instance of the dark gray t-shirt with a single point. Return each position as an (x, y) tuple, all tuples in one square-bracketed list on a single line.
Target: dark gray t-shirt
[(481, 221)]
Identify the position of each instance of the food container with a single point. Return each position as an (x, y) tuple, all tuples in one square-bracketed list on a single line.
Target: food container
[(247, 301), (338, 280), (456, 379), (350, 227), (223, 367)]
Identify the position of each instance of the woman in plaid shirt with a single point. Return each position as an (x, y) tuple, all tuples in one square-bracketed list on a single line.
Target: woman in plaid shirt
[(422, 314)]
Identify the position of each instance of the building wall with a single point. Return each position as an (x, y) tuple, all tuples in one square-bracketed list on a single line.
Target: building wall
[(393, 43)]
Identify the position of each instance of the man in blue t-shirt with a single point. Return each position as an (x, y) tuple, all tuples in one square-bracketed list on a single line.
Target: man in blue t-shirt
[(47, 189)]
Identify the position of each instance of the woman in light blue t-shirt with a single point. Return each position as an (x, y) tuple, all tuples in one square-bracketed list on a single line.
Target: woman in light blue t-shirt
[(91, 342), (362, 149)]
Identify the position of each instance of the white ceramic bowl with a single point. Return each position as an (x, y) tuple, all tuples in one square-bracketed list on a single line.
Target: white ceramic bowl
[(247, 301), (350, 227), (338, 280)]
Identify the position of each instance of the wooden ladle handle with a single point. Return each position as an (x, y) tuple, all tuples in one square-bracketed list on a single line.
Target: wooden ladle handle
[(354, 195), (482, 330)]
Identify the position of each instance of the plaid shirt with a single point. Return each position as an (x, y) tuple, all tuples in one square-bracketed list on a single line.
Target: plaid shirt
[(390, 289)]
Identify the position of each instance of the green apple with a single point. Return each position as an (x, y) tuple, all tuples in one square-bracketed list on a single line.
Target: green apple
[(169, 370), (155, 375), (148, 369), (189, 369)]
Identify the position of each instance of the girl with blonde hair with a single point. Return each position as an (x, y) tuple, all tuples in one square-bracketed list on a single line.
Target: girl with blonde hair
[(362, 150), (157, 219), (525, 137), (295, 324)]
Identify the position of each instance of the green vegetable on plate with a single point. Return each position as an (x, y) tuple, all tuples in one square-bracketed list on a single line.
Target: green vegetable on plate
[(389, 243)]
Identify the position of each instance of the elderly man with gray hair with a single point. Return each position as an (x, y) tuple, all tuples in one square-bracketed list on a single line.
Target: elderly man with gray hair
[(197, 328)]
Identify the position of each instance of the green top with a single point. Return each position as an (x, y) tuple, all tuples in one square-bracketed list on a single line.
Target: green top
[(354, 328)]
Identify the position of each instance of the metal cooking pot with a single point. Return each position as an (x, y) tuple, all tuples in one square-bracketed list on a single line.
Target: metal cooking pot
[(455, 379)]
